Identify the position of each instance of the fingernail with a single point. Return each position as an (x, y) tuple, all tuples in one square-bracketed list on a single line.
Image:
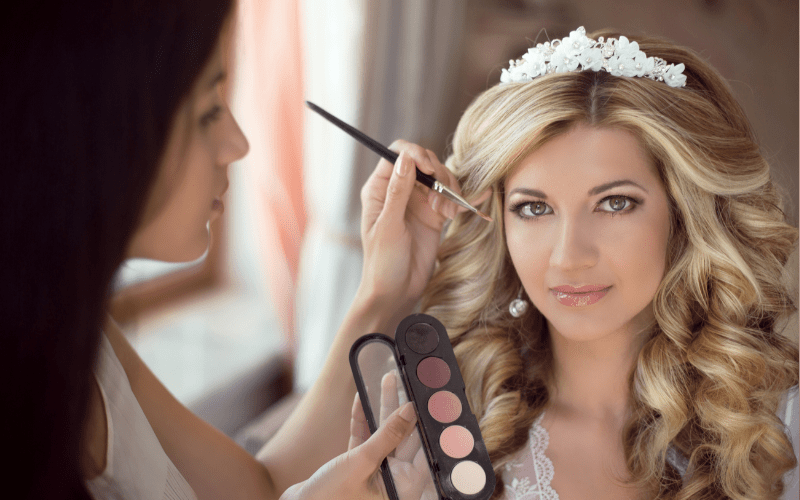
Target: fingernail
[(402, 165), (407, 413)]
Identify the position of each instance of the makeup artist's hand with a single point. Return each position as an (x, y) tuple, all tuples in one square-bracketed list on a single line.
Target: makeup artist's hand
[(401, 223), (356, 474), (408, 463)]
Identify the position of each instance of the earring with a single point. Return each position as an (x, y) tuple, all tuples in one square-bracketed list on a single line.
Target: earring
[(517, 307)]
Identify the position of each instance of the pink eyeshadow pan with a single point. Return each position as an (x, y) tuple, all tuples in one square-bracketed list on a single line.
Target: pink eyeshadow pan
[(444, 406), (457, 441), (433, 372)]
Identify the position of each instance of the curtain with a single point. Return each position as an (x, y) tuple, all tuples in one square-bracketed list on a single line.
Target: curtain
[(269, 181), (386, 67)]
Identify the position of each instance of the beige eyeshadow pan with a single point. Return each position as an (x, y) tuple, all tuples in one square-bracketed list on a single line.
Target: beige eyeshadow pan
[(468, 477)]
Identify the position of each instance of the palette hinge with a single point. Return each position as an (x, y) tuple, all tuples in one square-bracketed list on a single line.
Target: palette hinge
[(403, 359)]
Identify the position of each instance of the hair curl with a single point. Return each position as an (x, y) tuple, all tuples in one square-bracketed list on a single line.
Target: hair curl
[(711, 375)]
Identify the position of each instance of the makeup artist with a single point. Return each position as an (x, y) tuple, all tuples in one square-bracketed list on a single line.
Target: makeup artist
[(116, 142)]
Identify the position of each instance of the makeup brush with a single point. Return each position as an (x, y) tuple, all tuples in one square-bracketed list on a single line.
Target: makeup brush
[(391, 156)]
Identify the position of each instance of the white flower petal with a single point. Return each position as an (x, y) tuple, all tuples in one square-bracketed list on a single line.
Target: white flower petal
[(674, 76)]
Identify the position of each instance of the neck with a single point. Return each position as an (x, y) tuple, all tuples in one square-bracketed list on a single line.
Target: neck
[(591, 378)]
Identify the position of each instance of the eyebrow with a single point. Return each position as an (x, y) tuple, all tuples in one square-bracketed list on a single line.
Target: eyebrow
[(217, 78), (594, 191), (611, 185)]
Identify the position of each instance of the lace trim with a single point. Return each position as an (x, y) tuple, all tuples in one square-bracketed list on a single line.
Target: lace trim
[(540, 489)]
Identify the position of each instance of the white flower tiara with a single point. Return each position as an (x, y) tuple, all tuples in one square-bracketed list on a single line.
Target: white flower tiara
[(577, 52)]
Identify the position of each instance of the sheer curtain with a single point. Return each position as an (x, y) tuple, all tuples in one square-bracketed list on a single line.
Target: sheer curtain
[(387, 67), (268, 213)]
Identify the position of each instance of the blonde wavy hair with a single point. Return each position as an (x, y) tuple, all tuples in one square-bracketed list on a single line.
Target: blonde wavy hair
[(711, 375)]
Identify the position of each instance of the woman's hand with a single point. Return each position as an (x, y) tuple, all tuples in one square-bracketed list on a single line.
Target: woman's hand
[(401, 224), (408, 463), (354, 475)]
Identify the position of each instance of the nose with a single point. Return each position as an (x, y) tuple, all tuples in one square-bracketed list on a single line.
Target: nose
[(234, 143), (574, 246)]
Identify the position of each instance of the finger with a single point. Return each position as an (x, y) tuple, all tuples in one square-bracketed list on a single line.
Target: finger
[(406, 450), (373, 193), (409, 447), (359, 429), (398, 192), (399, 425), (417, 153), (426, 480), (389, 400), (443, 174), (426, 161)]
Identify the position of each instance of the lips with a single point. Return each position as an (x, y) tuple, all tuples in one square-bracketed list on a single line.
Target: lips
[(580, 289), (579, 296), (216, 203)]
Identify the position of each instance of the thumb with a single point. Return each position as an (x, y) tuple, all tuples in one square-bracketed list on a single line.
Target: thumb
[(397, 427), (401, 183)]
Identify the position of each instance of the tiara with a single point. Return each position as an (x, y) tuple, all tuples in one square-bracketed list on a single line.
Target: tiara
[(577, 52)]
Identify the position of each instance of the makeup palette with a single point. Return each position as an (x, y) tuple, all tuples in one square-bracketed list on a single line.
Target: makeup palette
[(447, 434)]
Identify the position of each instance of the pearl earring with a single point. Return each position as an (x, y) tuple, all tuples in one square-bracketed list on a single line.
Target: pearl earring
[(518, 306)]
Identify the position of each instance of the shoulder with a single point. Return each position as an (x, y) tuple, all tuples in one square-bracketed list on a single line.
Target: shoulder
[(788, 412)]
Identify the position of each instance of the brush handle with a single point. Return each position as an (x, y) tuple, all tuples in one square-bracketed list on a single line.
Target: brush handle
[(391, 156), (371, 143)]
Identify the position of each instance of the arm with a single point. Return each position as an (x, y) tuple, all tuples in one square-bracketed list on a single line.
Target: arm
[(212, 463), (400, 233), (400, 240)]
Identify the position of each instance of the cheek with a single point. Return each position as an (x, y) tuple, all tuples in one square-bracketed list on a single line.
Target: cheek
[(639, 256), (529, 254)]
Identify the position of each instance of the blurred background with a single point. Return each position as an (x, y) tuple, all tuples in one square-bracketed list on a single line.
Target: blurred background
[(238, 334)]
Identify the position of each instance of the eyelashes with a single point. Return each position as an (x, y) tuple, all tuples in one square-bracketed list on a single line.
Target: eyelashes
[(211, 116), (612, 205)]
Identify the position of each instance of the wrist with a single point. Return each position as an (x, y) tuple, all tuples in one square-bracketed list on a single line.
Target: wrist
[(373, 313)]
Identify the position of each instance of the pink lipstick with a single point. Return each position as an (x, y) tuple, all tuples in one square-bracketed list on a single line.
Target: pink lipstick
[(579, 296)]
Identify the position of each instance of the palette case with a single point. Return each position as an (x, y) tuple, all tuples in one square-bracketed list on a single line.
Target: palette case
[(455, 456)]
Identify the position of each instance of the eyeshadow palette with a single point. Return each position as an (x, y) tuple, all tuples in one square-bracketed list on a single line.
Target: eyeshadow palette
[(447, 437)]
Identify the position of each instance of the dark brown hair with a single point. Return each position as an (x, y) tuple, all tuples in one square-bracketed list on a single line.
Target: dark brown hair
[(88, 95)]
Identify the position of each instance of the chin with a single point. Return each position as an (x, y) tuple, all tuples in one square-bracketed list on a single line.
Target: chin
[(583, 329), (187, 250)]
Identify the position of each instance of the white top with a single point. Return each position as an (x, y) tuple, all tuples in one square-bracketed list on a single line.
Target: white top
[(136, 466), (528, 475)]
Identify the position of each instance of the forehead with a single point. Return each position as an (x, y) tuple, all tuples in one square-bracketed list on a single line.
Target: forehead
[(217, 63), (585, 155)]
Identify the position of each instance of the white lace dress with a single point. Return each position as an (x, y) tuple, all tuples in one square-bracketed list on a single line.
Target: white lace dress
[(528, 475)]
